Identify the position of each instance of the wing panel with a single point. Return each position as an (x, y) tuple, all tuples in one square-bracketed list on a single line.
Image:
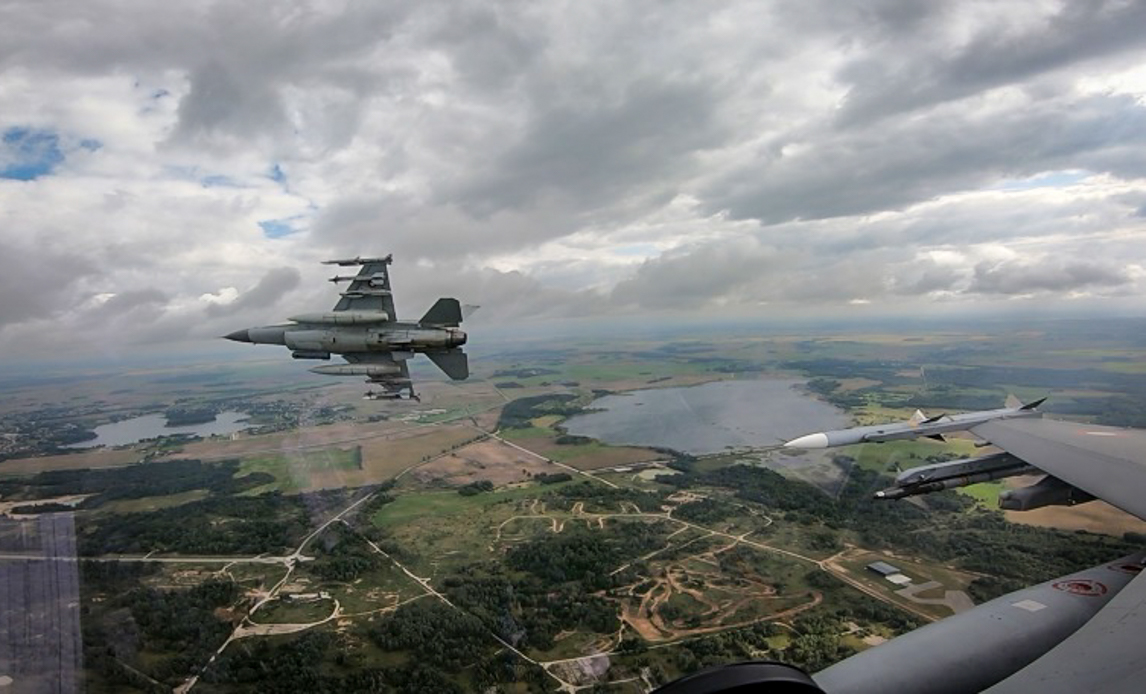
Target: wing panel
[(1108, 462), (373, 281), (1105, 655)]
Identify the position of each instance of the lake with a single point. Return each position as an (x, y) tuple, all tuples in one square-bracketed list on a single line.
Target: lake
[(709, 418), (152, 425)]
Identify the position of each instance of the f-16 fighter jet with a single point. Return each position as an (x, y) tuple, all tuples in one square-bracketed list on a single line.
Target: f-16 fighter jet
[(364, 329), (1084, 632)]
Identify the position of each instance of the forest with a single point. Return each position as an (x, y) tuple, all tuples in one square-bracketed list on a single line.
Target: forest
[(948, 529), (433, 659), (518, 413), (268, 523), (135, 481), (135, 629)]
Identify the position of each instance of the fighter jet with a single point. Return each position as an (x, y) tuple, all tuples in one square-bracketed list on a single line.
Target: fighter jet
[(364, 329), (1080, 633)]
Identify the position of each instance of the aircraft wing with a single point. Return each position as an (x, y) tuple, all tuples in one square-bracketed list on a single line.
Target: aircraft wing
[(369, 290), (1105, 655), (1107, 462), (392, 383)]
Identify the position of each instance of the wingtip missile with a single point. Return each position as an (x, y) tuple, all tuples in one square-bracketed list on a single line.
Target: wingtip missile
[(817, 440), (359, 260)]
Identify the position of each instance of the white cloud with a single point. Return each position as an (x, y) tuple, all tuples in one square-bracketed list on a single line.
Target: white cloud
[(567, 159)]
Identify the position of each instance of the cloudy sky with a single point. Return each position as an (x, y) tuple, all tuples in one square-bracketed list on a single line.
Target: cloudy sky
[(172, 171)]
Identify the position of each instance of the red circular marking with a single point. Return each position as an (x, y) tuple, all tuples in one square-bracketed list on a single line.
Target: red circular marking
[(1081, 586)]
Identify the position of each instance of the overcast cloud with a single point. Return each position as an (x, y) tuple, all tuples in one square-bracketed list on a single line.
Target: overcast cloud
[(173, 172)]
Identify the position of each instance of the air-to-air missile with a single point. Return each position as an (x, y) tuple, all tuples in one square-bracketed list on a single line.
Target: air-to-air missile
[(956, 473), (363, 328), (918, 426)]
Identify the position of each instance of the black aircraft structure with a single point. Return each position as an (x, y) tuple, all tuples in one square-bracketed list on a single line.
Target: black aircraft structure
[(1083, 632), (363, 328)]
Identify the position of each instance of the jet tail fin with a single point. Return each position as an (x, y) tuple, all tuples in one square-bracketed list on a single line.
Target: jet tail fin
[(445, 312), (918, 417), (453, 362)]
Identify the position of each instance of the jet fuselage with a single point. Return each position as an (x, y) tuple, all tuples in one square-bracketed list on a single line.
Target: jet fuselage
[(307, 339)]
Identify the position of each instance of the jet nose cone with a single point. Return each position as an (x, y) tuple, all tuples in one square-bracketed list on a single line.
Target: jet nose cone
[(818, 440), (239, 336)]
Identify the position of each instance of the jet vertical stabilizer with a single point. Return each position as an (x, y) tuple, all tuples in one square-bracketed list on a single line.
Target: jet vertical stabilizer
[(444, 313)]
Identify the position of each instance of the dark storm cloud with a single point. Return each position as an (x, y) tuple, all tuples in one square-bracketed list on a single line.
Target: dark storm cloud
[(239, 57), (694, 279), (1018, 277), (926, 70), (595, 153), (413, 231), (922, 277), (218, 101), (487, 48), (273, 285), (36, 284), (867, 170)]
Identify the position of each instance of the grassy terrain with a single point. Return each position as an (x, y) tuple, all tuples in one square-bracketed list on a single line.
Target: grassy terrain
[(377, 589), (413, 506), (986, 493), (292, 471), (151, 503), (882, 457), (284, 611)]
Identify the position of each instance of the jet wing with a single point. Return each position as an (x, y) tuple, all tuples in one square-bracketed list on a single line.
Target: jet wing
[(369, 290), (1107, 462), (1105, 655)]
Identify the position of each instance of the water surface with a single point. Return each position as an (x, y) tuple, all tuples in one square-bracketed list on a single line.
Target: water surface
[(152, 425), (709, 418)]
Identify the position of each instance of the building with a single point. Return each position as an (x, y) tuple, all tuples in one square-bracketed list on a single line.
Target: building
[(882, 568)]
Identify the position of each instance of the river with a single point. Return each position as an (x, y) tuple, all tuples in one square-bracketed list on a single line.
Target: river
[(152, 425), (708, 418)]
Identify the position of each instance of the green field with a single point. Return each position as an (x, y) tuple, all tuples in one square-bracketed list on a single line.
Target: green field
[(883, 457), (376, 589), (986, 493), (292, 470), (152, 503), (414, 505)]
